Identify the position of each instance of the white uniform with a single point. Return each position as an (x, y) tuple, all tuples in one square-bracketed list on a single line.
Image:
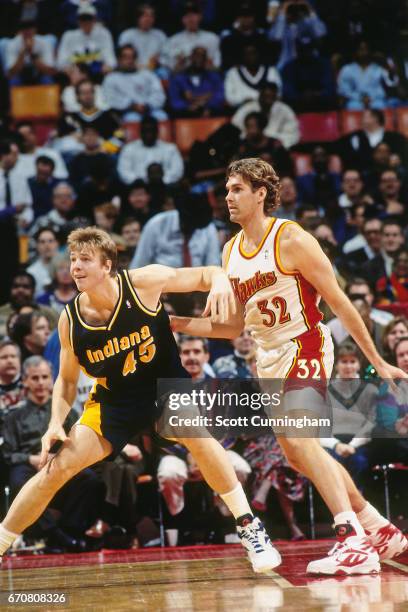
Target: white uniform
[(281, 310)]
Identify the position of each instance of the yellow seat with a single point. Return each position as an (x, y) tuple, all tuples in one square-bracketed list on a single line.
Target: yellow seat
[(35, 102)]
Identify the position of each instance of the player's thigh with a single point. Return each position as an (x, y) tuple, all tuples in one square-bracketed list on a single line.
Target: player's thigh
[(83, 448)]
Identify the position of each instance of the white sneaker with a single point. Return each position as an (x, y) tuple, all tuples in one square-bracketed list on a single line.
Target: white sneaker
[(388, 541), (263, 556), (353, 556)]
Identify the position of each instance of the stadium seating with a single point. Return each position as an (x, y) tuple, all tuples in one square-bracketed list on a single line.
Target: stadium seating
[(351, 120), (35, 102), (318, 127), (402, 120), (186, 131)]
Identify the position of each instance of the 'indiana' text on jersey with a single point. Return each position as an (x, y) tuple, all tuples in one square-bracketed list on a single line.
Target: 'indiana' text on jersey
[(279, 305), (131, 351)]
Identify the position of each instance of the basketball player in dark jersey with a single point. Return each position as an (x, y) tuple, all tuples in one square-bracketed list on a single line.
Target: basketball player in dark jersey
[(117, 332)]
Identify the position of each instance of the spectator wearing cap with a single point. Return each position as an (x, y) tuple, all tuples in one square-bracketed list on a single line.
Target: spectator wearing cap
[(89, 115), (282, 123), (147, 41), (90, 44), (244, 31), (294, 20), (42, 185), (308, 80), (29, 58), (69, 11), (137, 156), (133, 92), (363, 83), (46, 245), (244, 82), (30, 151), (178, 47), (196, 91)]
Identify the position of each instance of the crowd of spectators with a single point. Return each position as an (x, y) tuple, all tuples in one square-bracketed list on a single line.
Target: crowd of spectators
[(258, 65)]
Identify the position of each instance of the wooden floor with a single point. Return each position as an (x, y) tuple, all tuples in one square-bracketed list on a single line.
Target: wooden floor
[(209, 578)]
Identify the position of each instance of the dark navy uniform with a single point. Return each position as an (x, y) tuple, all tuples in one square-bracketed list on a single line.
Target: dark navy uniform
[(126, 356)]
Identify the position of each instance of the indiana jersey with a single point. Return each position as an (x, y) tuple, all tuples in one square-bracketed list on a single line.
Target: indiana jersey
[(131, 351), (279, 305)]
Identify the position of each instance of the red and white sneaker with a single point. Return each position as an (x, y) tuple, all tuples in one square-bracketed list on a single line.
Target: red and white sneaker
[(388, 541), (353, 556)]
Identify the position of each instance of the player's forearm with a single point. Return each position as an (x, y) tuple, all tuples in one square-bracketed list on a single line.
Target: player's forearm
[(63, 397), (204, 328), (208, 274), (354, 324)]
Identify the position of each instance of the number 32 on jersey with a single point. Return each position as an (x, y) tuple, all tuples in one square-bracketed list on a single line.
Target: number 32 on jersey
[(278, 315)]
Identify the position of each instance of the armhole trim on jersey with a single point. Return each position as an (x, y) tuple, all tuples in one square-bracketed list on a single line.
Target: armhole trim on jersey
[(278, 260), (111, 321), (152, 313), (229, 250), (118, 305), (71, 326), (260, 245)]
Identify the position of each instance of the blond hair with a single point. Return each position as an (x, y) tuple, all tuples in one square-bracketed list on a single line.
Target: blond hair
[(258, 173), (95, 239)]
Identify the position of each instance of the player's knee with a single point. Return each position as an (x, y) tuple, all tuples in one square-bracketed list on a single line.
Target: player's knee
[(56, 474), (297, 448)]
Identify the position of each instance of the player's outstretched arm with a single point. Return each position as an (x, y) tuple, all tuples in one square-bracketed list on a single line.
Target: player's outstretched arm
[(300, 252), (157, 279), (64, 391)]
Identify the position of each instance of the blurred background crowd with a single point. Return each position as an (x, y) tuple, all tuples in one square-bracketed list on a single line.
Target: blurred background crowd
[(125, 115)]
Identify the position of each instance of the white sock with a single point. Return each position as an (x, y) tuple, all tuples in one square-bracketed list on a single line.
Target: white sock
[(370, 518), (6, 539), (348, 517), (237, 502)]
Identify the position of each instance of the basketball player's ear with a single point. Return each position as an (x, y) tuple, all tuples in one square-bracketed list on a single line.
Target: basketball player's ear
[(261, 195)]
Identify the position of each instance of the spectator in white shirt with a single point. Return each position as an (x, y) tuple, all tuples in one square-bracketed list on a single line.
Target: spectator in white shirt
[(179, 46), (69, 98), (90, 44), (15, 211), (31, 152), (282, 121), (46, 244), (146, 40), (29, 58), (136, 157), (244, 82), (132, 92)]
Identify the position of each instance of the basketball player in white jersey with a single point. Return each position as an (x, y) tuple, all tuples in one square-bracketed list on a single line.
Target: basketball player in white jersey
[(278, 273)]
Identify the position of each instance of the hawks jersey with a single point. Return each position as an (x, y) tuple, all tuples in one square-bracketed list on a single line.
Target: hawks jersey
[(131, 351), (279, 305)]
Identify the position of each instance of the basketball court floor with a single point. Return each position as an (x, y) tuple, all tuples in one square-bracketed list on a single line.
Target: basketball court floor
[(199, 578)]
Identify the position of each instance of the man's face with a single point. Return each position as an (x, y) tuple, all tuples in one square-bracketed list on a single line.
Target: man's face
[(348, 366), (47, 245), (91, 139), (199, 58), (392, 238), (382, 154), (86, 24), (22, 291), (40, 332), (398, 331), (390, 184), (288, 191), (352, 184), (38, 382), (146, 20), (87, 269), (252, 128), (63, 199), (10, 364), (86, 95), (372, 233), (369, 122), (362, 292), (28, 135), (250, 56), (148, 134), (401, 355), (191, 21), (400, 267), (244, 344), (193, 357), (139, 198), (242, 202), (267, 98), (320, 159), (131, 233), (44, 172), (9, 160), (127, 60)]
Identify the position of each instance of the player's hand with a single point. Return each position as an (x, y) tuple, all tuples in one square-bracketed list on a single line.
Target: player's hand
[(221, 300), (52, 435), (133, 452), (389, 372)]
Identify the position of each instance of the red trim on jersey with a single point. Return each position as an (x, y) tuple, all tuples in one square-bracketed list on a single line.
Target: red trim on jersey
[(309, 354), (308, 299), (260, 245)]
